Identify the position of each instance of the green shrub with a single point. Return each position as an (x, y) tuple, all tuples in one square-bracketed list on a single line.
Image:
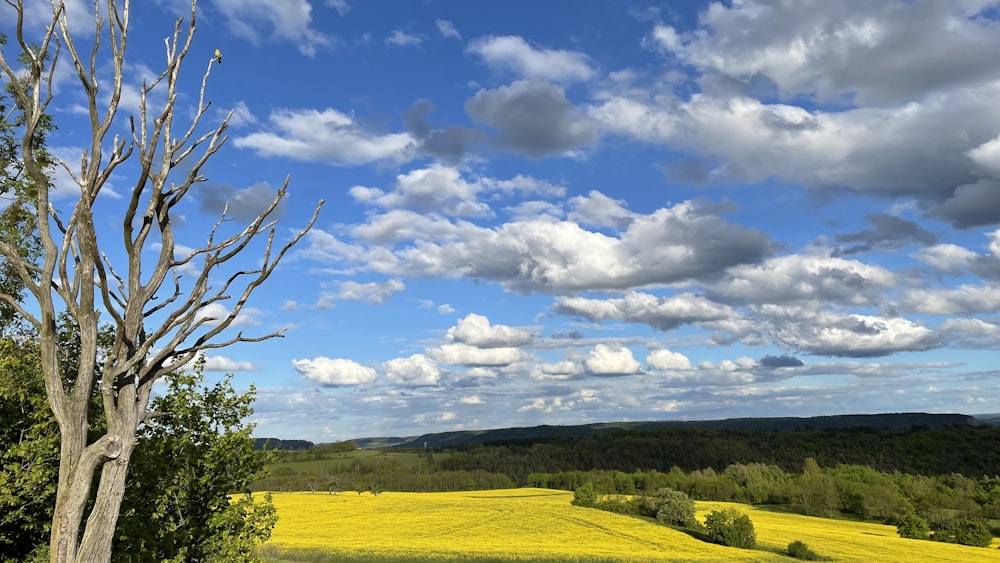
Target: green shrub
[(585, 495), (618, 504), (800, 550), (731, 527), (972, 531), (670, 507), (913, 527)]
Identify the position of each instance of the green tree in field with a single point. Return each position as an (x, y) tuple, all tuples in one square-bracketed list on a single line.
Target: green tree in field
[(669, 507), (585, 495), (731, 527), (967, 531), (814, 492), (913, 527)]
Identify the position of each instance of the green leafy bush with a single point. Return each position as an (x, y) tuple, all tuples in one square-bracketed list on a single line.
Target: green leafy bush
[(585, 495), (800, 550), (731, 527), (913, 527)]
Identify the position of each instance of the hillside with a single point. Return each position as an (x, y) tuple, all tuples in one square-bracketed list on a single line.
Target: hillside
[(782, 424)]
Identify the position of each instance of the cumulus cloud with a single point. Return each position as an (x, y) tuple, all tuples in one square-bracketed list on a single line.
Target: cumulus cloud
[(437, 188), (663, 313), (604, 359), (781, 362), (334, 371), (326, 136), (289, 20), (884, 151), (599, 210), (532, 117), (514, 54), (874, 53), (476, 330), (374, 293), (887, 233), (416, 370), (664, 359), (449, 143), (966, 299), (852, 335), (465, 355), (803, 277), (675, 244)]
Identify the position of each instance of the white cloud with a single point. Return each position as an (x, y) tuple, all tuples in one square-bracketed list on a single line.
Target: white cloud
[(963, 300), (222, 363), (853, 335), (465, 355), (605, 359), (437, 188), (242, 115), (400, 38), (987, 157), (947, 257), (418, 369), (342, 6), (664, 359), (374, 293), (599, 210), (871, 52), (671, 245), (288, 20), (447, 29), (334, 371), (512, 53), (663, 313), (326, 136), (476, 330), (472, 400), (215, 313), (803, 277)]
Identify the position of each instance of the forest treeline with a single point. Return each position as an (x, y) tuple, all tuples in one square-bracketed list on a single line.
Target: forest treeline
[(940, 474), (918, 450)]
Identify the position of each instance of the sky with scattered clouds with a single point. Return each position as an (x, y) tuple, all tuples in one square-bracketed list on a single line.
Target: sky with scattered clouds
[(568, 212)]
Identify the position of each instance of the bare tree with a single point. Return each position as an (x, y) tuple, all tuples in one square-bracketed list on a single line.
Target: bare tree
[(75, 274)]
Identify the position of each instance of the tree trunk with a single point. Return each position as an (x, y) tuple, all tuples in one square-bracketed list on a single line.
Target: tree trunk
[(100, 531)]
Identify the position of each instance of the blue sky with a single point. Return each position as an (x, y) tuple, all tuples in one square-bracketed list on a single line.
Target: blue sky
[(569, 212)]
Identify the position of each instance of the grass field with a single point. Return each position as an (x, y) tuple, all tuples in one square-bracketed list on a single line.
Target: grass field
[(541, 525)]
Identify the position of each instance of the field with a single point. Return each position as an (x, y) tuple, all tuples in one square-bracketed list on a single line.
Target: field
[(529, 524)]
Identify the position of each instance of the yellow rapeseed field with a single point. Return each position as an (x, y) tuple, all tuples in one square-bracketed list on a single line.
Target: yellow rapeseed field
[(526, 523)]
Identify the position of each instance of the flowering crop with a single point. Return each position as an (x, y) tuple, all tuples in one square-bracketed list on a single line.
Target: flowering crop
[(521, 524)]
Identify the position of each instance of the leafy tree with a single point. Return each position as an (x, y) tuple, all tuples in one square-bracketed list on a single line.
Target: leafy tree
[(913, 527), (967, 531), (815, 493), (29, 453), (669, 507), (177, 506), (585, 495), (70, 273), (731, 527)]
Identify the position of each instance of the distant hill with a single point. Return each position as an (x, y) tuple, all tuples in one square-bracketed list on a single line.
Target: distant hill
[(783, 424), (276, 444), (993, 418)]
